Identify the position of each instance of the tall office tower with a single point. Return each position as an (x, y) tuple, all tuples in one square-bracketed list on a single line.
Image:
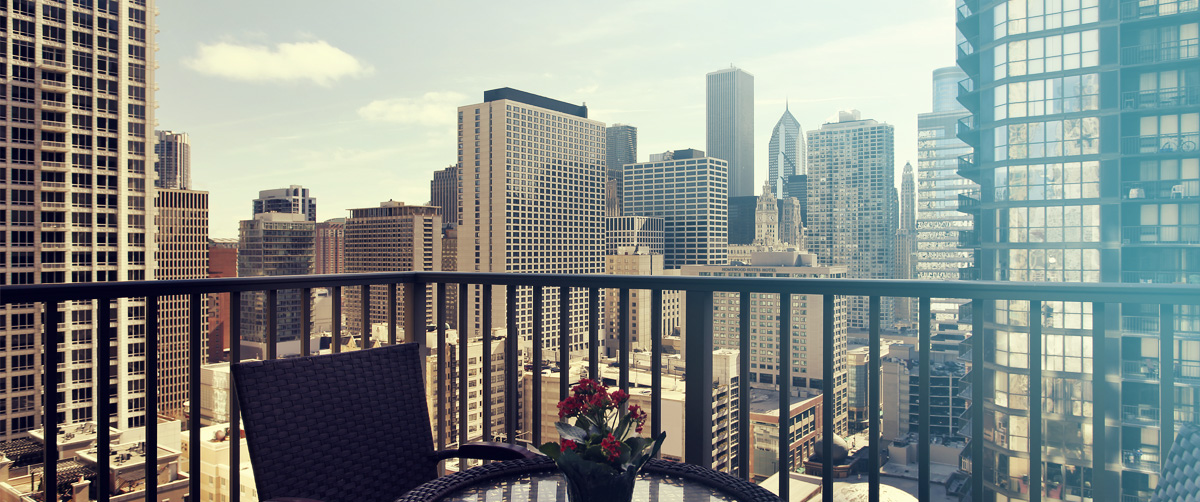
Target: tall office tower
[(78, 194), (786, 153), (851, 202), (620, 149), (269, 245), (639, 232), (766, 218), (390, 238), (797, 186), (181, 234), (443, 193), (174, 164), (791, 223), (331, 244), (532, 202), (222, 262), (742, 211), (807, 329), (450, 262), (941, 193), (906, 245), (634, 261), (1084, 127), (689, 194), (293, 199), (729, 120)]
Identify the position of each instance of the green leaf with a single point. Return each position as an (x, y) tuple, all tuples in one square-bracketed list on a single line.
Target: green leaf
[(568, 431), (552, 450)]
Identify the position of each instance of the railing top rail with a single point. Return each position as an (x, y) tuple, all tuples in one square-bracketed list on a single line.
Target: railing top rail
[(983, 290)]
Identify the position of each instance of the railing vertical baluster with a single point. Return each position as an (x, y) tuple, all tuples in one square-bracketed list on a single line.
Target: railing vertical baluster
[(511, 391), (698, 352), (391, 313), (364, 316), (594, 333), (874, 396), (1100, 405), (623, 342), (50, 355), (463, 355), (411, 325), (656, 368), (924, 343), (272, 322), (827, 404), (235, 430), (1035, 400), (418, 311), (564, 340), (335, 319), (536, 397), (1166, 387), (978, 393), (744, 429), (104, 337), (195, 349), (486, 412), (305, 322), (443, 354), (785, 394), (151, 416)]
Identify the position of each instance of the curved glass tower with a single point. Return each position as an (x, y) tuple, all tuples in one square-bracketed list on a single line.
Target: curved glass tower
[(1084, 114)]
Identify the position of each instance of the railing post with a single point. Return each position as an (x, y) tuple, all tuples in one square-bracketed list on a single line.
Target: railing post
[(151, 417), (463, 371), (978, 393), (656, 368), (235, 432), (594, 333), (623, 341), (1166, 387), (364, 315), (511, 390), (874, 395), (391, 313), (924, 346), (104, 337), (785, 391), (335, 319), (50, 338), (411, 325), (744, 429), (1102, 481), (272, 323), (305, 322), (564, 340), (698, 351), (827, 401), (487, 351), (1035, 401), (536, 399), (443, 354), (194, 364)]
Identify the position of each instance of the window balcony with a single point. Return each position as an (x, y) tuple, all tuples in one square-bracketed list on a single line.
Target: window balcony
[(1141, 369), (418, 293), (1161, 98), (1164, 52), (1144, 9), (1160, 190), (1160, 144), (1161, 235)]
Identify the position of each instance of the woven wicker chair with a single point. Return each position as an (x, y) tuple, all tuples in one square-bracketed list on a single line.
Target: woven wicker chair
[(348, 427)]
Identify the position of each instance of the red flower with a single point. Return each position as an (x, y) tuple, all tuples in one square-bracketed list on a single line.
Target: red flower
[(619, 396), (611, 447), (567, 444)]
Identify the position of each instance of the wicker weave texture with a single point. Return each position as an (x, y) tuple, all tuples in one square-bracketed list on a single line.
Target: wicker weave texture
[(350, 427)]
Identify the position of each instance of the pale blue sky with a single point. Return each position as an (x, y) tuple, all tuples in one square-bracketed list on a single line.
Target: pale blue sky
[(356, 100)]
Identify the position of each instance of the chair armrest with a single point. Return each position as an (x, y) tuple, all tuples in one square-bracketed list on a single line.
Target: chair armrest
[(488, 451)]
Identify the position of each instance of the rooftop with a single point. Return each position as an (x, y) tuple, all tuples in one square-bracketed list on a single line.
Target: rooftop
[(535, 100)]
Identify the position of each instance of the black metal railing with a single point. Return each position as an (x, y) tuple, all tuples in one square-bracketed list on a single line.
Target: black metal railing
[(411, 292)]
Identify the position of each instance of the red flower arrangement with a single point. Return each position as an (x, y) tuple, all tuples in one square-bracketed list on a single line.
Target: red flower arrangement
[(601, 447)]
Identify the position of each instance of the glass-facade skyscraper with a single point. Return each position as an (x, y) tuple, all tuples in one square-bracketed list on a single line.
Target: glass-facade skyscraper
[(620, 149), (785, 153), (1084, 126), (729, 126)]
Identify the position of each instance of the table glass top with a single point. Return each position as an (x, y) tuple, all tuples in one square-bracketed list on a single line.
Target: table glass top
[(551, 486)]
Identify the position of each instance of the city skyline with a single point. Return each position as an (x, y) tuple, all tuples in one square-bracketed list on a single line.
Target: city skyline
[(310, 128)]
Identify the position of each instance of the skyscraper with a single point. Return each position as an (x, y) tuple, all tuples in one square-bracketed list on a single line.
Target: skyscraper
[(906, 244), (532, 202), (851, 202), (1084, 125), (620, 149), (766, 218), (786, 152), (390, 238), (293, 199), (941, 254), (443, 193), (79, 195), (689, 194), (181, 238), (729, 119), (643, 233), (274, 244), (174, 164), (331, 247)]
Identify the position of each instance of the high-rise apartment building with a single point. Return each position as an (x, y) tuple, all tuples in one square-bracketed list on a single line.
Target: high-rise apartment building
[(79, 199), (729, 121), (785, 153), (390, 238), (293, 199), (222, 262), (906, 245), (331, 244), (1084, 125), (174, 164), (181, 234), (532, 184), (637, 232), (620, 149), (443, 193), (269, 245), (941, 195), (807, 326), (851, 202), (690, 194)]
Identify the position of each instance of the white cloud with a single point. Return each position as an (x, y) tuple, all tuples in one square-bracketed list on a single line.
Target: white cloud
[(318, 62), (433, 108)]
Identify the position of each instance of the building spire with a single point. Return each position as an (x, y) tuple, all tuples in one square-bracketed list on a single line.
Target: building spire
[(785, 104)]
